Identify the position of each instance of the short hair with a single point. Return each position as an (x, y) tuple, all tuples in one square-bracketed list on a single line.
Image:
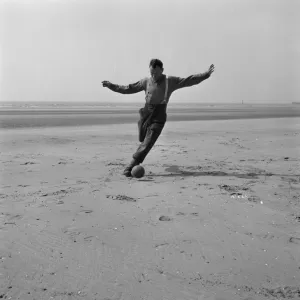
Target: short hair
[(155, 62)]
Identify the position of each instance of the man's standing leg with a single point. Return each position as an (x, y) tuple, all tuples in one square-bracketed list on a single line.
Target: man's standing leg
[(153, 132)]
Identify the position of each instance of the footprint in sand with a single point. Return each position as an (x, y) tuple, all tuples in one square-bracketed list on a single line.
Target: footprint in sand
[(285, 292), (87, 211), (161, 245), (184, 214), (89, 238), (81, 181), (165, 218), (254, 199), (233, 188), (62, 192), (266, 236), (83, 211), (195, 214), (10, 218), (180, 214), (294, 240), (121, 198), (28, 163), (79, 234), (116, 164)]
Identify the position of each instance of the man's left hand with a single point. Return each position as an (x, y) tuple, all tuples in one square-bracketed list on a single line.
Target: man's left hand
[(211, 69)]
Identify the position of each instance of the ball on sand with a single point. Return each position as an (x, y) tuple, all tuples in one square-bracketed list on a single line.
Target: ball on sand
[(138, 171)]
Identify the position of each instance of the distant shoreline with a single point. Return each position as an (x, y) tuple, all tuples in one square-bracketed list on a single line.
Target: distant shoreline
[(10, 119), (126, 104)]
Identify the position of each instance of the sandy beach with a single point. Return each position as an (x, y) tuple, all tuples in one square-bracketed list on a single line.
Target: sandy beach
[(216, 217)]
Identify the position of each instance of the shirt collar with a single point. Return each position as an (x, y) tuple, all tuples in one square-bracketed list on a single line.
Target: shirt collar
[(160, 79)]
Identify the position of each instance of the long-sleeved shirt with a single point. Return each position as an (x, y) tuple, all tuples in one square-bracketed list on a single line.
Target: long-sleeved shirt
[(155, 92)]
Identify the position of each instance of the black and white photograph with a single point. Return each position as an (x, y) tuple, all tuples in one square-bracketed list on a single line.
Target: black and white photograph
[(150, 149)]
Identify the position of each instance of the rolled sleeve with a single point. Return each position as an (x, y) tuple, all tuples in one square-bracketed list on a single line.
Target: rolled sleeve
[(179, 82), (132, 88)]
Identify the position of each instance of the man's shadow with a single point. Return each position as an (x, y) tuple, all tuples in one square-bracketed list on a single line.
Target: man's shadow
[(175, 171)]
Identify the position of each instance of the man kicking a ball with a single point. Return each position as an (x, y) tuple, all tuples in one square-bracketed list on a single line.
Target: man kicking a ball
[(153, 116)]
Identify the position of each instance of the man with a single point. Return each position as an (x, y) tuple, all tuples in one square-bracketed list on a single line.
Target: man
[(158, 89)]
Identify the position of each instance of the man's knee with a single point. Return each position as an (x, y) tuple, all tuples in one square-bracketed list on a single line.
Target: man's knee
[(152, 134), (157, 127)]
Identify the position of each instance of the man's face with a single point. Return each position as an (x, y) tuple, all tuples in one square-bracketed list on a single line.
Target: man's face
[(156, 72)]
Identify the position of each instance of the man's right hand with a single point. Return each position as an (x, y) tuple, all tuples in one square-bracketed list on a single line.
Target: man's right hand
[(106, 83)]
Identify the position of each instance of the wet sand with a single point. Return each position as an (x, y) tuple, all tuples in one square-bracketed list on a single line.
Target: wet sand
[(216, 217), (87, 116)]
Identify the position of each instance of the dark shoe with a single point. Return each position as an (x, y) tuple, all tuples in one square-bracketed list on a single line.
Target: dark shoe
[(127, 171)]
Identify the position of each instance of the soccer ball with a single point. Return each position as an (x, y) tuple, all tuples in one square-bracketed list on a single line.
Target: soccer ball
[(138, 171)]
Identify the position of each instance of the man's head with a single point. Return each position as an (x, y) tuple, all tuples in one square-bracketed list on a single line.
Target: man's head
[(156, 68)]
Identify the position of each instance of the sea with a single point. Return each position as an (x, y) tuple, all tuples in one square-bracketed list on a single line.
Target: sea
[(66, 113)]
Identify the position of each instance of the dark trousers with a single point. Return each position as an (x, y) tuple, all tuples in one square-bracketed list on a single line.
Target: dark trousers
[(153, 131)]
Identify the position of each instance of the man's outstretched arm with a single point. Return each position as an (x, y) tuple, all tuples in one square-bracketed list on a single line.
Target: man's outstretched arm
[(125, 89), (179, 82)]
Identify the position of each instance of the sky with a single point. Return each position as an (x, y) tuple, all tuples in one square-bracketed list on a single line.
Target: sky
[(61, 50)]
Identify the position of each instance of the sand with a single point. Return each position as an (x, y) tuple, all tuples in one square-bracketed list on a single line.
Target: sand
[(216, 217)]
